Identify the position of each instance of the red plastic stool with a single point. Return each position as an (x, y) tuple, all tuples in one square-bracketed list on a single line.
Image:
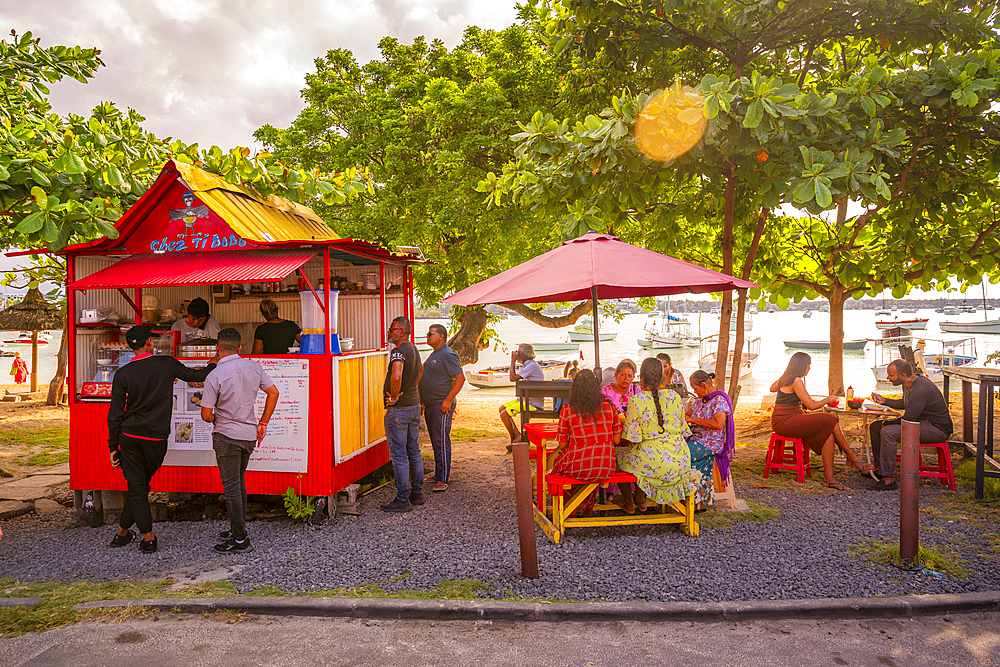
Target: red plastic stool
[(778, 459), (943, 468)]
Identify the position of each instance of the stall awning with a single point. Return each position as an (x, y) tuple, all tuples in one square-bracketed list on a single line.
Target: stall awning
[(197, 268)]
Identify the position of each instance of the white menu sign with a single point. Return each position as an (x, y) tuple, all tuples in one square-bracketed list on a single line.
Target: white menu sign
[(286, 447)]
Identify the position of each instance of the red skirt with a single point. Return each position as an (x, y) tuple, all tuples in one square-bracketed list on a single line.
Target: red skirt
[(815, 428)]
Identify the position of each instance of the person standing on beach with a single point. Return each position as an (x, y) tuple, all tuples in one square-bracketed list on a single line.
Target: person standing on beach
[(138, 427), (440, 383), (402, 417), (228, 404)]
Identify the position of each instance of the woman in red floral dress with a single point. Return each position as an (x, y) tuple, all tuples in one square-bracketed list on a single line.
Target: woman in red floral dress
[(589, 429)]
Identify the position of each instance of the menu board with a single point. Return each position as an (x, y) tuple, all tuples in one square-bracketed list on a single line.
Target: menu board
[(284, 449)]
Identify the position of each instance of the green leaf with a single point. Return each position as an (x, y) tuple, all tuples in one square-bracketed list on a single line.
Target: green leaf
[(106, 229), (40, 197), (39, 177), (71, 163), (823, 196), (31, 224), (755, 113), (4, 174)]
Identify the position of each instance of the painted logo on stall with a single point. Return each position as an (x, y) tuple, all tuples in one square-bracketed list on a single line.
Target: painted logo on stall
[(198, 241)]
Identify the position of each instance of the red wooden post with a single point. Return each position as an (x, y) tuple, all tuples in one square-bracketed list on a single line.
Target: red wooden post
[(525, 511), (909, 493)]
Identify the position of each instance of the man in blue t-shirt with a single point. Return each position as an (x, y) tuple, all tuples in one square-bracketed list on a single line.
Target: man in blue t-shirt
[(439, 385), (402, 417), (530, 370)]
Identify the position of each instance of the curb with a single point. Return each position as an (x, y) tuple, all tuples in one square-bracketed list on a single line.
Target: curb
[(475, 610)]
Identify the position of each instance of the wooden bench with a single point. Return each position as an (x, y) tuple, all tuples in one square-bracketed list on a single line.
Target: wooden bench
[(526, 390), (681, 512)]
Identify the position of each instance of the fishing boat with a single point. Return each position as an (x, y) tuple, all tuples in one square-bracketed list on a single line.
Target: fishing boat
[(909, 310), (912, 323), (710, 351), (24, 338), (555, 348), (950, 310), (984, 327), (807, 314), (824, 345), (670, 334), (499, 376), (584, 331), (747, 321), (771, 309), (958, 352)]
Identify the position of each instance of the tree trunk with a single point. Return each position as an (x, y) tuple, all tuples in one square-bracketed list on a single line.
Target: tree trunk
[(835, 379), (468, 340), (59, 379), (727, 267), (734, 370)]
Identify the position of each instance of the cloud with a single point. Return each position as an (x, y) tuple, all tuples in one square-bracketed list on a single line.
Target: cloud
[(213, 71)]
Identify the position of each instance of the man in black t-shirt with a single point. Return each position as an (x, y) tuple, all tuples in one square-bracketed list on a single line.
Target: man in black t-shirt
[(402, 417), (922, 402)]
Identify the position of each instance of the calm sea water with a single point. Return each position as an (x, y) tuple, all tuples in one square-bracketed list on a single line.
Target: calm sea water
[(773, 329), (46, 357)]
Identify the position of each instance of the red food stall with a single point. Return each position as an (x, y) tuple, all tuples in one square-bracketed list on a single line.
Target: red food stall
[(190, 235)]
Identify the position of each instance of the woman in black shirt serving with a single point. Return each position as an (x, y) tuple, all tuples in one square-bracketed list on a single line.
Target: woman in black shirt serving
[(276, 335)]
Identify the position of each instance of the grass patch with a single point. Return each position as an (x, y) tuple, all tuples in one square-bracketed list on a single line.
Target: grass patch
[(723, 519), (966, 475), (46, 446), (939, 559), (466, 434), (46, 457), (447, 589), (267, 591), (58, 599)]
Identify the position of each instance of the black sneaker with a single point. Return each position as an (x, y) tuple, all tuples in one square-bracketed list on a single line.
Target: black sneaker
[(148, 546), (231, 546), (122, 540), (227, 535), (396, 506), (416, 499)]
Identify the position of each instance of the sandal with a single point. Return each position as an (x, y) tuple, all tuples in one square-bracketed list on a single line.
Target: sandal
[(834, 485), (440, 486), (861, 465), (620, 502)]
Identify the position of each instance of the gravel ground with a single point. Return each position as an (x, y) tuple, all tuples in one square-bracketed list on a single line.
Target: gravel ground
[(469, 532)]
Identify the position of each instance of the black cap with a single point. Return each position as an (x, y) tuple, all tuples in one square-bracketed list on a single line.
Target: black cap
[(137, 336)]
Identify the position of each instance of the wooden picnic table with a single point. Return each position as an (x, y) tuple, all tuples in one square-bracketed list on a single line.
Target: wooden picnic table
[(867, 415), (982, 446)]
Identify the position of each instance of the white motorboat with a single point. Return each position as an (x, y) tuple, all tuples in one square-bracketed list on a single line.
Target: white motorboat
[(950, 310), (984, 327), (670, 334), (807, 314), (24, 338), (957, 352), (555, 348), (912, 323), (584, 332), (710, 350), (499, 376)]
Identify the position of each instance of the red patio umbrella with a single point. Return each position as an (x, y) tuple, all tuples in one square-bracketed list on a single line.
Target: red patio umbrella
[(596, 266)]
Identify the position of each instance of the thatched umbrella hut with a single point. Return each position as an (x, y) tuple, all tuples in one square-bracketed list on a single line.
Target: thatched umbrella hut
[(32, 314)]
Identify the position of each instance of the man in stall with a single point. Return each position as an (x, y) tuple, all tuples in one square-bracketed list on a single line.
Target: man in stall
[(922, 402), (139, 425), (228, 404), (402, 417)]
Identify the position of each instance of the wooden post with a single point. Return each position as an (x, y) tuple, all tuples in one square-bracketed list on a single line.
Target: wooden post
[(525, 510), (967, 412), (909, 493), (34, 361)]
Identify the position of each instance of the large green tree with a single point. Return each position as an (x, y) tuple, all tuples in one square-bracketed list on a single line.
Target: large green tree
[(429, 123), (809, 103)]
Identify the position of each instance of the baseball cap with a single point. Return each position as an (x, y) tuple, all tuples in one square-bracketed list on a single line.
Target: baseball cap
[(137, 336)]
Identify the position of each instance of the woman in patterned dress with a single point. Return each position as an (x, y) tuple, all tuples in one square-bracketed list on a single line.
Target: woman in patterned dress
[(589, 429), (713, 433), (658, 455), (619, 391)]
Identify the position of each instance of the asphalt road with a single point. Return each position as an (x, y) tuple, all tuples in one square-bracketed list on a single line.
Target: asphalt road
[(193, 641)]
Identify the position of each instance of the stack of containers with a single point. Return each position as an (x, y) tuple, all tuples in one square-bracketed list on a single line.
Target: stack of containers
[(312, 322)]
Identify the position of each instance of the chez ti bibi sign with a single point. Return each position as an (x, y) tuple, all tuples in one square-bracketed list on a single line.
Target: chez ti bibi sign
[(184, 224)]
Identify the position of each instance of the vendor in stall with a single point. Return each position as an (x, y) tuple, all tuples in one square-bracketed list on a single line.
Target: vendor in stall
[(198, 323), (276, 335)]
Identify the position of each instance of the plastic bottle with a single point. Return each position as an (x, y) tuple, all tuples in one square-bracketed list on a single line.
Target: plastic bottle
[(850, 393)]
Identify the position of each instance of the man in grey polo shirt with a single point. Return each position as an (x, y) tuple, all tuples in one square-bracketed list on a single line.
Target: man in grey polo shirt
[(228, 403)]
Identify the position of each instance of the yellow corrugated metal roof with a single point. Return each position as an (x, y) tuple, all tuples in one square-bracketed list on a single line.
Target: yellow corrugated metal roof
[(255, 218)]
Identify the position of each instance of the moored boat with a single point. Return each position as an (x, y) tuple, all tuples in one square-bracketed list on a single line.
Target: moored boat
[(584, 331), (984, 327), (912, 323), (959, 352), (710, 350), (24, 338), (849, 345), (807, 314), (671, 334), (499, 376), (555, 348)]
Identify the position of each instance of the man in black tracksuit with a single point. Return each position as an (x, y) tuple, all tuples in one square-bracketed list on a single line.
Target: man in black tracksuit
[(139, 424)]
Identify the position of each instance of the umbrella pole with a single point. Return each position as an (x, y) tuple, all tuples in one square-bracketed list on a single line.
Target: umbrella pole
[(34, 361), (597, 333)]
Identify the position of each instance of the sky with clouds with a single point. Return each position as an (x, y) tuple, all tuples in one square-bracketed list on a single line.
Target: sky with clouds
[(213, 71)]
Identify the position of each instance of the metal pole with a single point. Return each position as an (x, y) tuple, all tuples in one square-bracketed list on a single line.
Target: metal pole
[(525, 510), (909, 493), (597, 332)]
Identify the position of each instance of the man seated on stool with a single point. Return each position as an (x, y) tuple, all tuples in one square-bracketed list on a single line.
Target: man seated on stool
[(530, 370), (922, 402)]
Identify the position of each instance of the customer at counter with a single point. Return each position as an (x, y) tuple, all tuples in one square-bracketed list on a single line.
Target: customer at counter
[(276, 335), (198, 323)]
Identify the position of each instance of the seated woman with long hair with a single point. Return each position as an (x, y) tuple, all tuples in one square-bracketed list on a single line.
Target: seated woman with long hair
[(589, 429), (658, 454), (619, 391), (819, 430), (713, 433)]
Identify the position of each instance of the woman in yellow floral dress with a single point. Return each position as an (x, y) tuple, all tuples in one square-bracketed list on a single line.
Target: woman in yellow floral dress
[(658, 454)]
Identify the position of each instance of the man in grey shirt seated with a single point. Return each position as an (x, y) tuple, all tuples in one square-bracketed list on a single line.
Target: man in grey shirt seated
[(922, 402), (228, 403)]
